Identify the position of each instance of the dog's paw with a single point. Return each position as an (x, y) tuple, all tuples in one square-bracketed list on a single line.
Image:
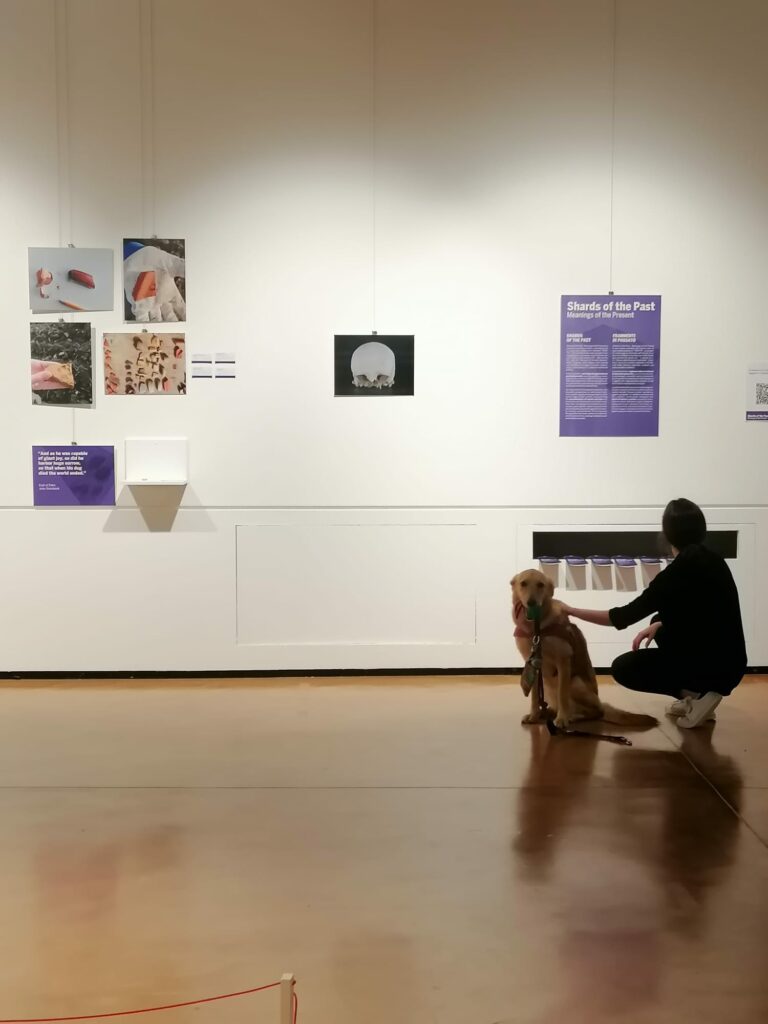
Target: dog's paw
[(531, 719), (562, 722)]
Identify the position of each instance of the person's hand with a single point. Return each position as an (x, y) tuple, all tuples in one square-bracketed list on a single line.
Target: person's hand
[(42, 377), (646, 634), (40, 373), (566, 608)]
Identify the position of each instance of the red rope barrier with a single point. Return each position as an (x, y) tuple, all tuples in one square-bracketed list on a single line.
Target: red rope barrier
[(151, 1009)]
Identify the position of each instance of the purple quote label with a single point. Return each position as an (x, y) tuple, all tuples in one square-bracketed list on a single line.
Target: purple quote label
[(73, 475)]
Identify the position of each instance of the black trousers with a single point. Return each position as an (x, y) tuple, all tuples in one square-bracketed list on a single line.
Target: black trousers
[(667, 670), (664, 670), (652, 671)]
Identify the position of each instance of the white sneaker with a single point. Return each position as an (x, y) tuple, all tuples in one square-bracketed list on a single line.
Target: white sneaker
[(700, 711), (682, 707)]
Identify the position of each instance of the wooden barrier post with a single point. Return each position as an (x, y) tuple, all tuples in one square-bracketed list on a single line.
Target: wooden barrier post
[(286, 998)]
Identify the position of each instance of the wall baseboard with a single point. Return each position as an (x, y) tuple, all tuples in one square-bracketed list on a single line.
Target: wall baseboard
[(349, 673)]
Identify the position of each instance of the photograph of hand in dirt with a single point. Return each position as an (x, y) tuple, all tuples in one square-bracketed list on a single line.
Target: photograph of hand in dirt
[(62, 363)]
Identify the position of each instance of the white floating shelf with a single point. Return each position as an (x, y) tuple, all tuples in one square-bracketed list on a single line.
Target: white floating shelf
[(156, 462), (156, 483)]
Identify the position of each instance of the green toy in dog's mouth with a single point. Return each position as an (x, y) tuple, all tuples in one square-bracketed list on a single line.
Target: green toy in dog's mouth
[(533, 611)]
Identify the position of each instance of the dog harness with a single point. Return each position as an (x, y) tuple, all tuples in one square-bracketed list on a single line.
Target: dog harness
[(524, 627), (534, 671)]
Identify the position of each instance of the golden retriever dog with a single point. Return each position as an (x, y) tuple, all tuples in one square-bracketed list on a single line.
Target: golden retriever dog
[(570, 684)]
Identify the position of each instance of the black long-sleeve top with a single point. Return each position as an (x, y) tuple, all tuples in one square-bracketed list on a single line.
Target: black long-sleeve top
[(696, 599)]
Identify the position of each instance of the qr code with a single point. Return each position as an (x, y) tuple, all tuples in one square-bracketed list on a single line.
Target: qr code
[(761, 394)]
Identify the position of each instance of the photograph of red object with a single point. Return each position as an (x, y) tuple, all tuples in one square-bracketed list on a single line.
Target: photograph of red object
[(145, 287), (80, 279)]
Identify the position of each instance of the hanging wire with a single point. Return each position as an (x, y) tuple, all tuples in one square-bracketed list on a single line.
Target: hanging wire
[(614, 9), (374, 151), (148, 119)]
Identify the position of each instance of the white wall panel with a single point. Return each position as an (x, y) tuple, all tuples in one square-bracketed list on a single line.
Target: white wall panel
[(396, 584), (117, 590), (453, 187)]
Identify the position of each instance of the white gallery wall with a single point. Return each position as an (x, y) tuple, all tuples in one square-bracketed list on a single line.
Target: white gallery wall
[(446, 168)]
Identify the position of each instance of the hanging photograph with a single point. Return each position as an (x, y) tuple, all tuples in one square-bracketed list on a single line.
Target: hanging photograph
[(70, 279), (62, 363), (145, 364), (154, 280), (373, 365)]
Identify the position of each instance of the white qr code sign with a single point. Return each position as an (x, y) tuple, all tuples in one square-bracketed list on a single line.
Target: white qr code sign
[(757, 391)]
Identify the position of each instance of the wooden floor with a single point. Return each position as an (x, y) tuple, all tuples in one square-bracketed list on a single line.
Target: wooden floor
[(405, 847)]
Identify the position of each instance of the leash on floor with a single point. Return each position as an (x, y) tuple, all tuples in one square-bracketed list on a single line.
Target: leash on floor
[(535, 674)]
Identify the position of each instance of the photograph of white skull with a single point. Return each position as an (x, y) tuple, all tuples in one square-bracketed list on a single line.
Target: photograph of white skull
[(371, 365)]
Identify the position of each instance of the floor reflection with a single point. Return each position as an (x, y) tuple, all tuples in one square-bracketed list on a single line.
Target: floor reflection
[(395, 983), (693, 845), (95, 891), (413, 854), (556, 781), (625, 864)]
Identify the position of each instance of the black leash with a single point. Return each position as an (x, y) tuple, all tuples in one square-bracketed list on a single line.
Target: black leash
[(534, 673)]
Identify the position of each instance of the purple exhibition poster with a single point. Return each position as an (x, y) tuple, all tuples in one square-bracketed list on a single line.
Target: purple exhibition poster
[(73, 474), (609, 365)]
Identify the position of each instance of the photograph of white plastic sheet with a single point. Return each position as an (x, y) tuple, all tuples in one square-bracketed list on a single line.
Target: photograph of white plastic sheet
[(154, 280)]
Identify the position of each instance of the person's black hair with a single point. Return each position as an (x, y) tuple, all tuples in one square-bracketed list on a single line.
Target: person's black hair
[(683, 524)]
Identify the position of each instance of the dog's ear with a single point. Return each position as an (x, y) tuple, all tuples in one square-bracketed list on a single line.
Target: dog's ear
[(513, 581), (550, 588)]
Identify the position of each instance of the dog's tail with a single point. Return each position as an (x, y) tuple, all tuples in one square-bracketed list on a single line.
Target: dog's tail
[(616, 716)]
